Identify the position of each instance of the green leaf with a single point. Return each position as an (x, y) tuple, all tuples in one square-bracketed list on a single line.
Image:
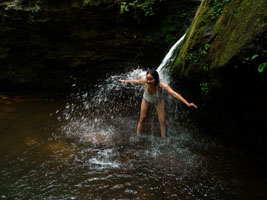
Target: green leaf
[(207, 46), (262, 66), (204, 86), (255, 56)]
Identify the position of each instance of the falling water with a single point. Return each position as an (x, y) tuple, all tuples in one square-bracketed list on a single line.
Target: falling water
[(168, 59), (170, 55)]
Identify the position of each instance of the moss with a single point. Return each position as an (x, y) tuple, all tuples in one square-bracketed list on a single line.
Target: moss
[(240, 23), (229, 70), (240, 28), (191, 42)]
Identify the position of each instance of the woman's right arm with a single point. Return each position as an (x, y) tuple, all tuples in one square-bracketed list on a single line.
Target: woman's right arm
[(135, 82)]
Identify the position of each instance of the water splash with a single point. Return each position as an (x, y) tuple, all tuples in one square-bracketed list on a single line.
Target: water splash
[(104, 159), (97, 116), (107, 115)]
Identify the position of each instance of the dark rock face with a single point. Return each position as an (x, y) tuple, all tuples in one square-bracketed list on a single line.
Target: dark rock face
[(46, 44), (221, 55)]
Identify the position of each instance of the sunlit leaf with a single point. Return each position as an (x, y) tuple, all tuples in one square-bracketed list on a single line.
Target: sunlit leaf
[(262, 66), (255, 56)]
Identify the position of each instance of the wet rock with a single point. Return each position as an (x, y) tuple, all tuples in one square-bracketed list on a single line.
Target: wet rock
[(46, 44), (219, 59)]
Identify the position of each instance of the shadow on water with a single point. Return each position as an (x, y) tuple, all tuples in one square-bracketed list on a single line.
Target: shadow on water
[(85, 147)]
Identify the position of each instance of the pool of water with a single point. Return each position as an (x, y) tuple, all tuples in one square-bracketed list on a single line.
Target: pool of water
[(84, 146)]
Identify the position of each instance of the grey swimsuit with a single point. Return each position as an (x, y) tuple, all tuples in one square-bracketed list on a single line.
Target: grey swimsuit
[(153, 98)]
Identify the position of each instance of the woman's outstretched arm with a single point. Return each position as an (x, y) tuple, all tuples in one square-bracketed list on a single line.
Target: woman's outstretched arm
[(176, 95), (135, 82)]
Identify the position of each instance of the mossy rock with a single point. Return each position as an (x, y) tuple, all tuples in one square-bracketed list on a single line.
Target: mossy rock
[(229, 36), (222, 51)]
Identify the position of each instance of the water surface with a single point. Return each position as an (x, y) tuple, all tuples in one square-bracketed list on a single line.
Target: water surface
[(85, 146)]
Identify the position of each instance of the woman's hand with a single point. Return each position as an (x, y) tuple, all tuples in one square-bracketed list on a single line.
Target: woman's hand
[(192, 104)]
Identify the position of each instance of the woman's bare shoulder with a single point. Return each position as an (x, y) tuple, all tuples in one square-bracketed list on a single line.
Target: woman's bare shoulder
[(163, 84)]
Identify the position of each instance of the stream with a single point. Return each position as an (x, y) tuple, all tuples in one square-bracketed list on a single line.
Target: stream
[(85, 146)]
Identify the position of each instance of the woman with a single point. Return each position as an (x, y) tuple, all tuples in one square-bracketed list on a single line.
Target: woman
[(153, 94)]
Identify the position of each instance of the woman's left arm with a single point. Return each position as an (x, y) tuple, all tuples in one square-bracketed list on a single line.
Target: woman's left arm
[(176, 95)]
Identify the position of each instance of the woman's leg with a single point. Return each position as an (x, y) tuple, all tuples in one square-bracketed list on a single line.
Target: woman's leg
[(143, 111), (161, 116)]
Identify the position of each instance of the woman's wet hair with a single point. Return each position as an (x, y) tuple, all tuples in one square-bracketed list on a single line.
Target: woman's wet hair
[(155, 75)]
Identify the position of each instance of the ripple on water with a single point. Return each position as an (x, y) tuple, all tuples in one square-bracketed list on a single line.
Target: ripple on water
[(96, 154), (104, 159)]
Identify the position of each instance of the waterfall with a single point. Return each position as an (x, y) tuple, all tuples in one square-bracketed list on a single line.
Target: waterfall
[(169, 58), (166, 60)]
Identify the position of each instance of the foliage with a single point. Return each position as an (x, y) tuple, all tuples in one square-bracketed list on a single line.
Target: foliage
[(205, 68), (145, 6), (169, 38), (182, 14), (204, 86), (260, 55), (192, 57), (203, 51), (247, 59), (124, 7), (262, 66), (217, 8)]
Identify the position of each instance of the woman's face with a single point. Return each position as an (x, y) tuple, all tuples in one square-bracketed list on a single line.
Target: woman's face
[(150, 79)]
